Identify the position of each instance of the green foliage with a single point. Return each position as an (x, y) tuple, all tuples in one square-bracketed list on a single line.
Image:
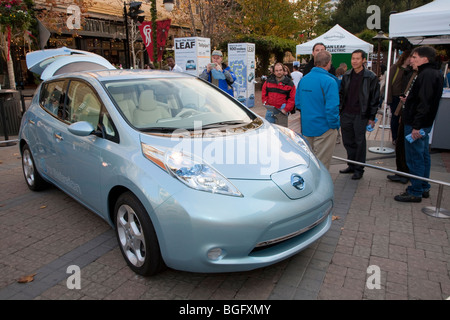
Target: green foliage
[(262, 17), (14, 14), (367, 35)]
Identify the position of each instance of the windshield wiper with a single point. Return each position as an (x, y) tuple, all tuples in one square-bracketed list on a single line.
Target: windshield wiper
[(158, 129), (223, 123)]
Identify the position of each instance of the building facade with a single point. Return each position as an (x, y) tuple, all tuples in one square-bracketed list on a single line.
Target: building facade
[(97, 27)]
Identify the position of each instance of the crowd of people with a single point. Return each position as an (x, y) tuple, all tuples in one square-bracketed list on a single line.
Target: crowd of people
[(340, 102)]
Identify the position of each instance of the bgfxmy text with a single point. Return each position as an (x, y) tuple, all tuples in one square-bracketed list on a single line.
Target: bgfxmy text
[(236, 309)]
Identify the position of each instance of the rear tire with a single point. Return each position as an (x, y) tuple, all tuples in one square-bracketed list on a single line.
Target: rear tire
[(136, 236), (32, 177)]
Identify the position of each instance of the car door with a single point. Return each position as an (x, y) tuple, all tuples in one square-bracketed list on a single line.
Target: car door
[(79, 156), (43, 143)]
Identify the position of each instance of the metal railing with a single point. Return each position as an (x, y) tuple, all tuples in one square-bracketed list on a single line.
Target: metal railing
[(437, 211)]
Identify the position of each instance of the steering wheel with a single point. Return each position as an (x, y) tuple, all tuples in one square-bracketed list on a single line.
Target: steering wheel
[(185, 113)]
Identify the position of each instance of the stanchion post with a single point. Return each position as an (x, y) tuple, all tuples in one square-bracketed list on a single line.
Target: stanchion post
[(383, 149), (437, 211)]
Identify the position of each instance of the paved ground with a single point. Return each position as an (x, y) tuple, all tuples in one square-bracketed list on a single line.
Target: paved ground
[(43, 233)]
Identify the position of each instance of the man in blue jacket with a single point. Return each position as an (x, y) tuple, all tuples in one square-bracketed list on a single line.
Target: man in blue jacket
[(317, 98), (219, 73)]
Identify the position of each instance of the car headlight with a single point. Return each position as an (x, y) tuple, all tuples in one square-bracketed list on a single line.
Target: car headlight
[(298, 140), (193, 172)]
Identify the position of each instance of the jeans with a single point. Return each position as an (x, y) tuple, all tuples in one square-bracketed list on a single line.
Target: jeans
[(270, 116), (277, 117), (418, 161)]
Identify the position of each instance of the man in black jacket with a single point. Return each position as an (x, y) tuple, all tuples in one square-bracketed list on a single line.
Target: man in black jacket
[(359, 96), (419, 112), (319, 46)]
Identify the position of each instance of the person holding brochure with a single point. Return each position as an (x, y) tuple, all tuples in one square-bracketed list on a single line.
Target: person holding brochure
[(420, 109), (278, 96), (219, 73), (359, 97)]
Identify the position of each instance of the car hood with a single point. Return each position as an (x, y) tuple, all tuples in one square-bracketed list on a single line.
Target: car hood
[(255, 154), (50, 62)]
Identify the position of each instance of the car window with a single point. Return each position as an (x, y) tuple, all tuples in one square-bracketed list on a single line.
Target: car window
[(161, 104), (108, 127), (83, 103), (52, 98)]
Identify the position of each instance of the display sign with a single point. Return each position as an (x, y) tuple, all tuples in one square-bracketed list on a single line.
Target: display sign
[(192, 54), (241, 60)]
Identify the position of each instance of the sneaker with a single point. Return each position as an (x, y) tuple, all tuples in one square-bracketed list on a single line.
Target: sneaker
[(406, 197), (426, 194)]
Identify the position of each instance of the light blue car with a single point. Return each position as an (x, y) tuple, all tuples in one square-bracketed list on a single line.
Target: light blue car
[(187, 176)]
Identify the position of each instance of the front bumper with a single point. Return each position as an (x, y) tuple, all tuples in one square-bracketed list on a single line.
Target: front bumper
[(261, 228)]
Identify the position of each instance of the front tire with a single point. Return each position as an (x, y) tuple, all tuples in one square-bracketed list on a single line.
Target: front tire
[(32, 177), (136, 236)]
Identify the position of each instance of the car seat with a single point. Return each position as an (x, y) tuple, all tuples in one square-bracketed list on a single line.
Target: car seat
[(148, 111)]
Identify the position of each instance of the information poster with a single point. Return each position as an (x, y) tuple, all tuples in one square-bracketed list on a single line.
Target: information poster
[(193, 54), (241, 59)]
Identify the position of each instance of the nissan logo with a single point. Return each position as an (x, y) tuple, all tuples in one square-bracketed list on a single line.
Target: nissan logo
[(297, 182)]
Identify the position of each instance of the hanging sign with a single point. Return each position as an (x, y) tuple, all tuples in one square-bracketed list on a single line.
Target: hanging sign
[(146, 33)]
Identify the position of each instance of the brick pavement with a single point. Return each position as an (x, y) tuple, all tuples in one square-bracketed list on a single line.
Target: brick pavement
[(42, 233)]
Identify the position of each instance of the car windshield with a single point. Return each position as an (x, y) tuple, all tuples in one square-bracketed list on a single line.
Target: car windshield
[(164, 105)]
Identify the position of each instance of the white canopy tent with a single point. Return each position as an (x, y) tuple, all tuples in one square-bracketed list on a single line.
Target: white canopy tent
[(428, 24), (336, 40)]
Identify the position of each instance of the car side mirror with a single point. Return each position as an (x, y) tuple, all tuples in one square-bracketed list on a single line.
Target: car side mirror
[(81, 128)]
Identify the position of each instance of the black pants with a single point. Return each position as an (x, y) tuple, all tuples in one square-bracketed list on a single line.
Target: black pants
[(400, 157), (353, 129), (394, 119)]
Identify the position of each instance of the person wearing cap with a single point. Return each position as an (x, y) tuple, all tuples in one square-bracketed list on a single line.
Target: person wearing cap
[(218, 73)]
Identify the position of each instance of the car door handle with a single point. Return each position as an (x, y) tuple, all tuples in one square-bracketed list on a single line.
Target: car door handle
[(58, 136)]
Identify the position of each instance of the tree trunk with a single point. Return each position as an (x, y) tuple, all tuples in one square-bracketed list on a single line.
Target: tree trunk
[(12, 78), (9, 62), (191, 13)]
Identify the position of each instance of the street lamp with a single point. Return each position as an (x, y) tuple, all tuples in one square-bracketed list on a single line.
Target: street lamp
[(168, 4), (380, 36)]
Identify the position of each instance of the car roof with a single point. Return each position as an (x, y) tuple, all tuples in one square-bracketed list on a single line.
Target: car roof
[(133, 74), (50, 62)]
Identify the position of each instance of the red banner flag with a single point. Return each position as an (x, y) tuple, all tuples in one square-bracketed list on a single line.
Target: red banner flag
[(162, 32), (146, 33)]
